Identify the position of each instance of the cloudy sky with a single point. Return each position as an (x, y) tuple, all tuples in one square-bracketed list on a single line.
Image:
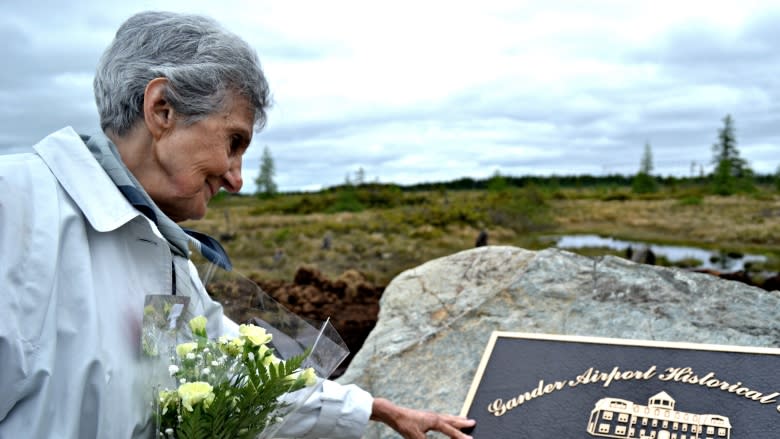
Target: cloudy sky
[(414, 91)]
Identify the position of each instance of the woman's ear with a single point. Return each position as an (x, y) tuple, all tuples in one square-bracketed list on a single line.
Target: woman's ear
[(158, 112)]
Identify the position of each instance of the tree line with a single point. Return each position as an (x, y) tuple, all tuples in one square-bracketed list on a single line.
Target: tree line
[(731, 174)]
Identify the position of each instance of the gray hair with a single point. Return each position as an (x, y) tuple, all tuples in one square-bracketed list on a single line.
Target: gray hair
[(201, 61)]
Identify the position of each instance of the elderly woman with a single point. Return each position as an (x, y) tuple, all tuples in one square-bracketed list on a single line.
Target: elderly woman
[(88, 229)]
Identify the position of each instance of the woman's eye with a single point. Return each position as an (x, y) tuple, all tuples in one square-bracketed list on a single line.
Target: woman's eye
[(236, 143)]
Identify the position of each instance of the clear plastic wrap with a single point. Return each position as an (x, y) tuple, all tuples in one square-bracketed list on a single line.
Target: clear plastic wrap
[(276, 355)]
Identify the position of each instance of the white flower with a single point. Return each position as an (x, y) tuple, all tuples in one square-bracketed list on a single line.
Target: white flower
[(199, 366), (232, 347), (254, 334), (268, 358), (309, 377), (198, 326), (193, 393), (168, 400), (184, 349)]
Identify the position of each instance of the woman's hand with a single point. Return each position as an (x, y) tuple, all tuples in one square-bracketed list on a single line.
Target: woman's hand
[(413, 424)]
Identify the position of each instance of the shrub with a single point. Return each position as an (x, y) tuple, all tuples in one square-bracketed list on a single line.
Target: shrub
[(644, 183), (520, 210), (691, 200), (346, 201)]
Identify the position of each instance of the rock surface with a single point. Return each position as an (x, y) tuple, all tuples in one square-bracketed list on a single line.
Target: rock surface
[(435, 320)]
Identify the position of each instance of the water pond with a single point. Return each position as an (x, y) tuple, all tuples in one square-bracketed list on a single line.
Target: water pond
[(707, 259)]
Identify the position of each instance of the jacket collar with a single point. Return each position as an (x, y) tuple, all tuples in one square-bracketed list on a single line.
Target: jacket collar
[(110, 201), (85, 181)]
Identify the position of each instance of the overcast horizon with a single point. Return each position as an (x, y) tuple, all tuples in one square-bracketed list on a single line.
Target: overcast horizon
[(415, 92)]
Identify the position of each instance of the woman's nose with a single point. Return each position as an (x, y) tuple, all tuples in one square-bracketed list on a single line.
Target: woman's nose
[(232, 180)]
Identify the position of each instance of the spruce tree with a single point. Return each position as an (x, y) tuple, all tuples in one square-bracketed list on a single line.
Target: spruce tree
[(731, 173), (644, 182), (360, 177), (266, 187)]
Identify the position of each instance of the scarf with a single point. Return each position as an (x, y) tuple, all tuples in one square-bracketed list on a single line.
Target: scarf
[(179, 238)]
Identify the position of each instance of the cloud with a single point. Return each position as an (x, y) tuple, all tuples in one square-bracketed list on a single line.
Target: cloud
[(420, 91)]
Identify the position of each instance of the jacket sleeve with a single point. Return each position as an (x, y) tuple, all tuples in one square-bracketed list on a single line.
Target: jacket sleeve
[(333, 410), (27, 254)]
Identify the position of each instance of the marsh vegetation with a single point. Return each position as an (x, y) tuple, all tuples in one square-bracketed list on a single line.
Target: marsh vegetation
[(381, 230)]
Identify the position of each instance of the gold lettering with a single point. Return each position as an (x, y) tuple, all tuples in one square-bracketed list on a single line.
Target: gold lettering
[(612, 375), (581, 379), (649, 373), (537, 392), (497, 407), (592, 376), (709, 380), (711, 383), (731, 388), (686, 375), (670, 374)]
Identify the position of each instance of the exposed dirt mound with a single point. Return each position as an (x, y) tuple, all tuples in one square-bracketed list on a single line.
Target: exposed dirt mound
[(351, 302)]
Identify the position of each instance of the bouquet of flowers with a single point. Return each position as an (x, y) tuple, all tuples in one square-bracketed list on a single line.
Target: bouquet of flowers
[(243, 386), (227, 388)]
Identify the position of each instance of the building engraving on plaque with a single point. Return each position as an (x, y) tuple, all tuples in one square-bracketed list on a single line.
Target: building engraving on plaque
[(618, 418)]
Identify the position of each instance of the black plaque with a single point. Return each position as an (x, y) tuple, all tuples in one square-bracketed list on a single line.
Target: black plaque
[(535, 386)]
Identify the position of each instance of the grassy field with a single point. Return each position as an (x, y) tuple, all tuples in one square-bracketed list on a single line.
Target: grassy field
[(382, 232)]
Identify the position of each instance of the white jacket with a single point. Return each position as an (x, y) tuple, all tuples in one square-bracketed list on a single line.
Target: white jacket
[(76, 262)]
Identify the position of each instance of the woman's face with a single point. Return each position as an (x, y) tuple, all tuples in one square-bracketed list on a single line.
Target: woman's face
[(197, 160)]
